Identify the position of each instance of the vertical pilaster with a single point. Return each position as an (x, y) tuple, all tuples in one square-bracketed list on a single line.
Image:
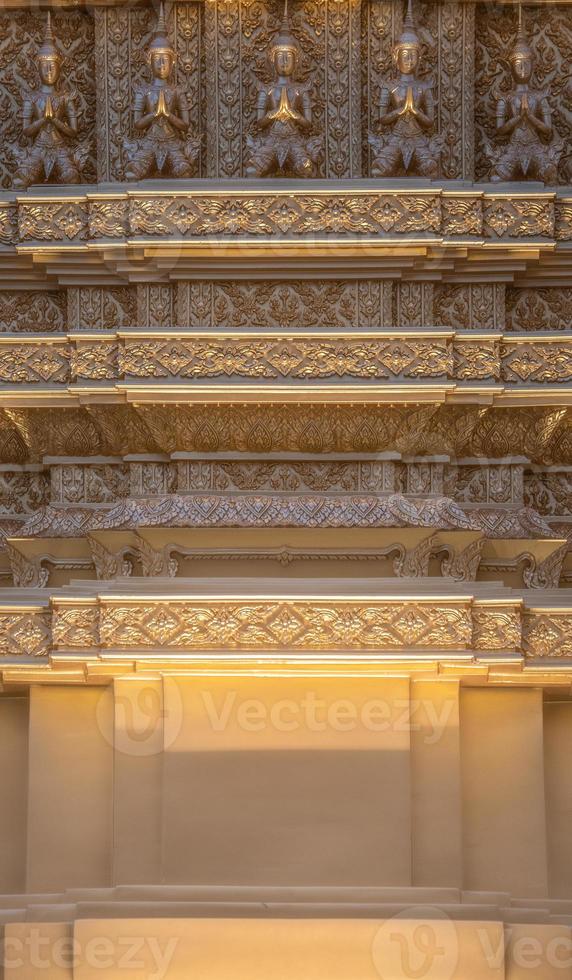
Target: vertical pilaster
[(456, 40), (138, 748), (13, 780), (156, 305), (504, 824), (223, 95), (413, 304), (557, 755), (436, 784), (70, 788)]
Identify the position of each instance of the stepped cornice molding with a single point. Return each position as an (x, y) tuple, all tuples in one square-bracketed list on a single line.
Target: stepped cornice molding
[(73, 628), (375, 366), (543, 435), (130, 230)]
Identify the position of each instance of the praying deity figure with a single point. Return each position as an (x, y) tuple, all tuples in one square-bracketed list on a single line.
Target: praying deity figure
[(283, 142), (407, 113), (50, 123), (161, 116), (524, 123)]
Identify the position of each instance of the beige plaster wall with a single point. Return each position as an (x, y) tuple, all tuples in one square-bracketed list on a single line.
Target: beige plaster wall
[(256, 791), (70, 788), (504, 827), (13, 783), (558, 781), (286, 781)]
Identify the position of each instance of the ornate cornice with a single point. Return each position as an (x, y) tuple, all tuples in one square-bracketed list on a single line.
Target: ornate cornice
[(100, 625), (380, 365), (189, 221), (197, 211), (541, 435)]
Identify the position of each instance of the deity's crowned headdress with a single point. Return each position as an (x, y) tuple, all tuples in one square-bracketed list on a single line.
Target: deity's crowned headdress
[(521, 47), (48, 49), (160, 40)]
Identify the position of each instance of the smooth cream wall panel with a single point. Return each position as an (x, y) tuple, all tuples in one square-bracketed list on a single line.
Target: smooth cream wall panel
[(436, 784), (13, 783), (558, 769), (70, 787), (138, 761), (292, 781), (504, 826)]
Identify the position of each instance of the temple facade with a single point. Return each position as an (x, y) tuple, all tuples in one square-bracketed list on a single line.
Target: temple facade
[(286, 490)]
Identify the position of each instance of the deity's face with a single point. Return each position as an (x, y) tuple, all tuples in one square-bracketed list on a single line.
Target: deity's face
[(408, 59), (285, 61), (522, 68), (161, 64), (49, 68)]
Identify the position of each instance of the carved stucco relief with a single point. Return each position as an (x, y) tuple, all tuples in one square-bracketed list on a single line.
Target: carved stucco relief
[(238, 34), (122, 35), (550, 37), (447, 34), (21, 34), (283, 303)]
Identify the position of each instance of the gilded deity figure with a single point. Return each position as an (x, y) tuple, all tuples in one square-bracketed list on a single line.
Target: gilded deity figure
[(283, 142), (50, 122), (407, 113), (524, 119), (161, 116)]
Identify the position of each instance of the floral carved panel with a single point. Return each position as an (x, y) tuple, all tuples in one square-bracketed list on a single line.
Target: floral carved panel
[(32, 311), (539, 309), (275, 303)]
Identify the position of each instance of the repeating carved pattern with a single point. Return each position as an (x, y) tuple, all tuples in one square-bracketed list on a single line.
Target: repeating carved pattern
[(268, 476), (34, 312), (547, 635), (551, 42), (413, 304), (549, 493), (255, 510), (101, 307), (304, 359), (65, 221), (121, 37), (155, 306), (25, 634), (239, 34), (491, 484), (497, 629), (538, 309), (478, 306), (283, 625), (281, 216), (519, 218), (289, 359), (72, 483), (537, 362), (280, 303), (21, 492), (543, 435), (322, 625), (21, 32)]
